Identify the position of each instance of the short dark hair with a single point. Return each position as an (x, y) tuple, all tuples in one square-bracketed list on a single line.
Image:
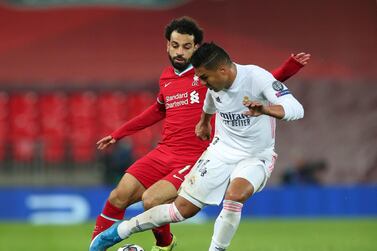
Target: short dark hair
[(211, 56), (185, 25)]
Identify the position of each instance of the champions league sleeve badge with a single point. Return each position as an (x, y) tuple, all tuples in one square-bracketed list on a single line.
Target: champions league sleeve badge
[(279, 88)]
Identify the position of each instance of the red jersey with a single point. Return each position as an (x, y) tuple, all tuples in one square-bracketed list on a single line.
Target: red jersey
[(183, 95)]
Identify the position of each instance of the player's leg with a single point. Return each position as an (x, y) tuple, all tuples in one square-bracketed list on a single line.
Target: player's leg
[(157, 216), (248, 176), (177, 211), (205, 184), (141, 175), (163, 192), (227, 222), (128, 191)]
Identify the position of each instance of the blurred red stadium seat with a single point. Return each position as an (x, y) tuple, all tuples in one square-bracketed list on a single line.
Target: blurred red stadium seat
[(53, 122), (83, 121), (57, 125), (144, 140), (4, 129), (23, 120), (112, 110)]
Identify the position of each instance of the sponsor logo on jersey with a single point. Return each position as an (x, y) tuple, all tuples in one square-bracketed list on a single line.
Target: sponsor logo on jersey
[(235, 119), (167, 84), (177, 96), (218, 99), (181, 99), (194, 97)]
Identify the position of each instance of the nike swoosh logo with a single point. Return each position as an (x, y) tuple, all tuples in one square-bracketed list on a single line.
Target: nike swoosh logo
[(168, 83), (175, 176)]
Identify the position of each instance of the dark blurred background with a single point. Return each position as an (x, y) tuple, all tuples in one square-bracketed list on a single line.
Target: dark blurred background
[(73, 71)]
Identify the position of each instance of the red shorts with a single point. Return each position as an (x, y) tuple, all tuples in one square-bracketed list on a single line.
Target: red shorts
[(161, 164)]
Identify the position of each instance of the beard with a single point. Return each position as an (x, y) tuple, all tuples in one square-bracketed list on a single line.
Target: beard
[(181, 66)]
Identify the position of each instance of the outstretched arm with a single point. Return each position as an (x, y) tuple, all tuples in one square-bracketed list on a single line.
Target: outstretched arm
[(149, 117), (291, 66)]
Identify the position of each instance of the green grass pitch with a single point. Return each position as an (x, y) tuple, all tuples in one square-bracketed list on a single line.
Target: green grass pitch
[(252, 235)]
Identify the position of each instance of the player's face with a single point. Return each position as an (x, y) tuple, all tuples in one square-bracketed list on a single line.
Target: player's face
[(216, 80), (180, 49)]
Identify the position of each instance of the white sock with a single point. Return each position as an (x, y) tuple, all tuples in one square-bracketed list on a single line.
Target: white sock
[(226, 225), (154, 217)]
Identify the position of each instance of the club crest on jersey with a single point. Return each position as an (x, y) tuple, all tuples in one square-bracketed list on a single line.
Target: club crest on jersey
[(195, 82)]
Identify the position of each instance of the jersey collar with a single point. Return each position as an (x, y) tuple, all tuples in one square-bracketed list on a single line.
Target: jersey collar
[(183, 72)]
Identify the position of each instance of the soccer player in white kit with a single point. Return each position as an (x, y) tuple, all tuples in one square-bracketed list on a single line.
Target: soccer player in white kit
[(246, 100)]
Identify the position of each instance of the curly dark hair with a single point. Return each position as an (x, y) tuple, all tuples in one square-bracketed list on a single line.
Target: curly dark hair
[(210, 56), (185, 25)]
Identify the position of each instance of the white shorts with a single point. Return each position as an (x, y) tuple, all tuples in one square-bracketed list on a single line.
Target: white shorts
[(208, 180)]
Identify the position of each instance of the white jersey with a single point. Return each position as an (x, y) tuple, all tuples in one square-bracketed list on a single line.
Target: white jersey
[(238, 136)]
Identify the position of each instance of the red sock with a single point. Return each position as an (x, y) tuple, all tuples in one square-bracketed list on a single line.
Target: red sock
[(163, 235), (110, 214)]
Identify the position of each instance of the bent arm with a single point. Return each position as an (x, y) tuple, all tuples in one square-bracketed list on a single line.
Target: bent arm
[(284, 105)]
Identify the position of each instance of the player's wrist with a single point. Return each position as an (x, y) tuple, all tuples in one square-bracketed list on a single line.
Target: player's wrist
[(114, 136), (294, 62), (266, 110)]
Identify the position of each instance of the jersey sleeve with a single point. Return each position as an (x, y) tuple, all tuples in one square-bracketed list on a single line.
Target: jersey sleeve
[(278, 93), (209, 106), (149, 117), (289, 68)]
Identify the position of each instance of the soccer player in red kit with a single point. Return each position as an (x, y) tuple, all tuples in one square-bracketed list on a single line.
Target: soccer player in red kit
[(156, 177)]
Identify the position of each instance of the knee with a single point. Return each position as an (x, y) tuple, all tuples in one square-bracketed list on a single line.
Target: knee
[(238, 196), (186, 209), (150, 201), (186, 212), (119, 199)]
